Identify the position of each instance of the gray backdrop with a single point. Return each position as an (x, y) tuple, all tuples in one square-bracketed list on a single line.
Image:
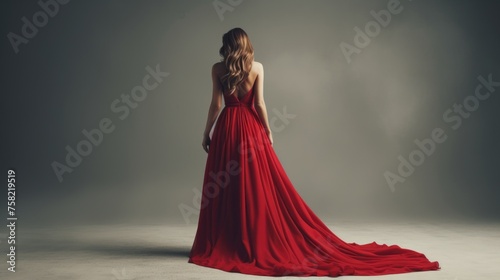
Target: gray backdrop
[(348, 92)]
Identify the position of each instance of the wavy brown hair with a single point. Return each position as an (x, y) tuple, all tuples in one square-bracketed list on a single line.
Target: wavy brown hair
[(237, 55)]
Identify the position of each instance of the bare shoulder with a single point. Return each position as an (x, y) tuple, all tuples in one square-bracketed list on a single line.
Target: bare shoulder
[(218, 67), (259, 68)]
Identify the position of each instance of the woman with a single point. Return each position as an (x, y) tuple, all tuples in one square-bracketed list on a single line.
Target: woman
[(252, 220)]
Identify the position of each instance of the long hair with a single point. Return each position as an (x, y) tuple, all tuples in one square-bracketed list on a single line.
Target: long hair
[(237, 55)]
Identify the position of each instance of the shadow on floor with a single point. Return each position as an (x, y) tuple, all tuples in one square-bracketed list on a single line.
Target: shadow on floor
[(125, 250), (130, 250)]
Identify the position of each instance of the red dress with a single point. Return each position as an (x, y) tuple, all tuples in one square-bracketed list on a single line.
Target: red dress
[(253, 221)]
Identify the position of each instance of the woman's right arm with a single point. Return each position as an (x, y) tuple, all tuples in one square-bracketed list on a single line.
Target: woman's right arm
[(214, 109), (259, 103)]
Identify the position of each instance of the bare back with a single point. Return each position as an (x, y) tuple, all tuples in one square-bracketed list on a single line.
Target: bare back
[(246, 85)]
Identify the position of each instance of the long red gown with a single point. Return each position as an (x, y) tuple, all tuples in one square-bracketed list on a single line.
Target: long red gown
[(253, 221)]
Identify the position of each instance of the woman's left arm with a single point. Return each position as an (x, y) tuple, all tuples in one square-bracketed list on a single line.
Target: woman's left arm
[(214, 109)]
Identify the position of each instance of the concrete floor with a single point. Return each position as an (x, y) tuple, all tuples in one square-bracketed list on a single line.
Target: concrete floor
[(119, 252)]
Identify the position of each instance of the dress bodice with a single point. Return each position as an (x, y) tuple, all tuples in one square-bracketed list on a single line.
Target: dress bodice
[(232, 100)]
